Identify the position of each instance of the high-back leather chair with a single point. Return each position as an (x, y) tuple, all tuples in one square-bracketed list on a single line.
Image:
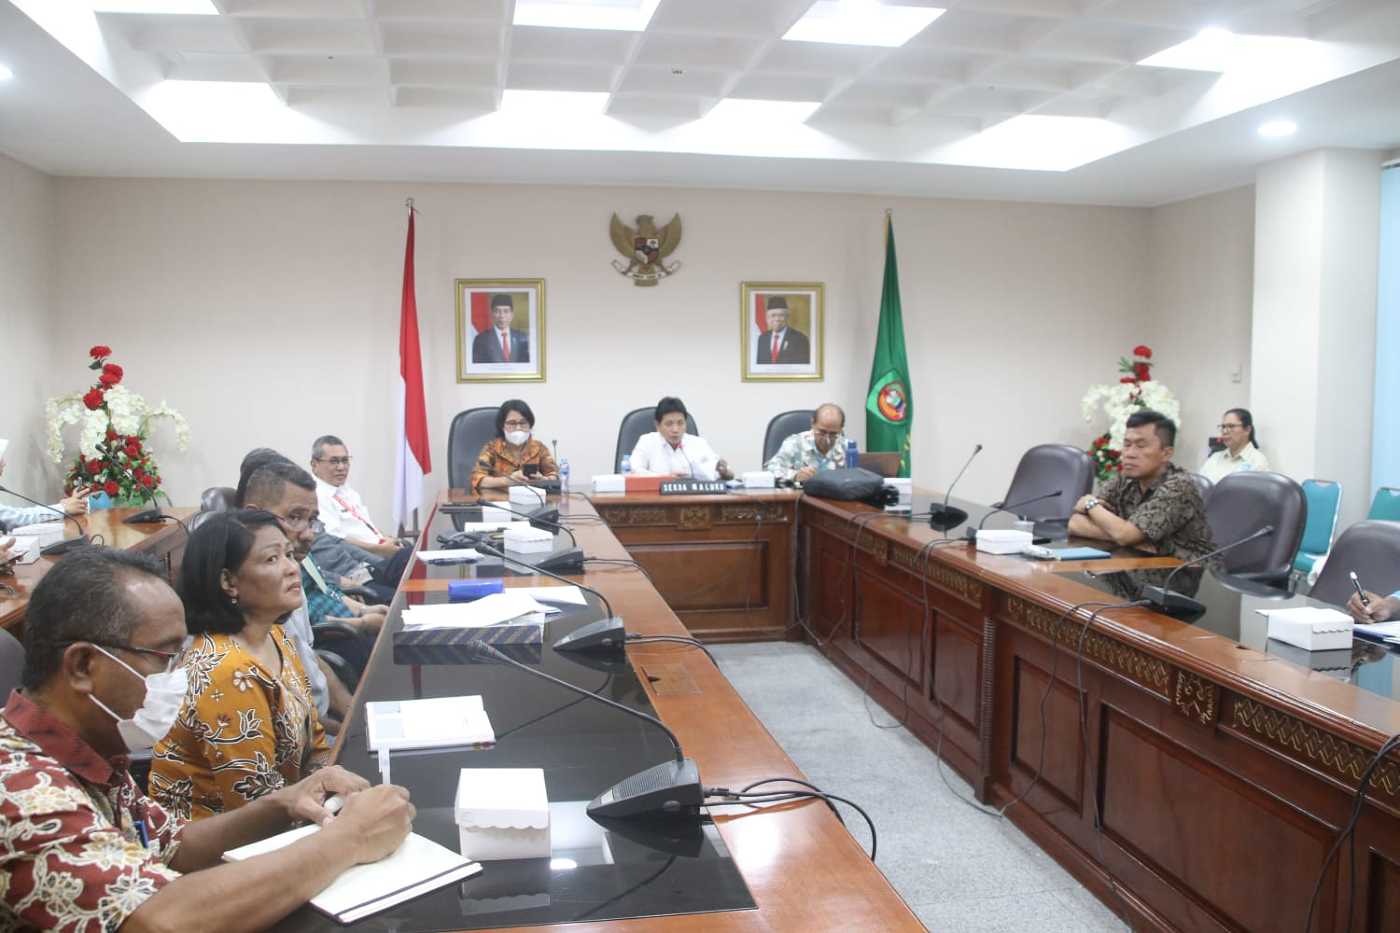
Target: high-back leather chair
[(637, 422), (781, 428), (1372, 549), (1244, 502), (11, 662), (470, 431), (1203, 486), (1044, 469)]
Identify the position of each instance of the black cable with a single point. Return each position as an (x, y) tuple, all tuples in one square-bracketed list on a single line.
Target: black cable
[(676, 639), (621, 562), (607, 681), (748, 787), (752, 799), (1348, 831)]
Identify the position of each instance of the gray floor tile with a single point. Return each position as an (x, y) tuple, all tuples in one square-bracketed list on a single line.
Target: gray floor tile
[(1040, 912)]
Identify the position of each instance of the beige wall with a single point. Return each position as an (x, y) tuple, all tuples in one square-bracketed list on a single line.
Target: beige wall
[(267, 312), (28, 255), (1201, 275)]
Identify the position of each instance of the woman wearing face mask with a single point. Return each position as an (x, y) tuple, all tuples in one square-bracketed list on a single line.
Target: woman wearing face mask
[(248, 725), (503, 461)]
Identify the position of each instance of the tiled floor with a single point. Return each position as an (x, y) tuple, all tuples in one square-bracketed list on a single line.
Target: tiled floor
[(958, 869)]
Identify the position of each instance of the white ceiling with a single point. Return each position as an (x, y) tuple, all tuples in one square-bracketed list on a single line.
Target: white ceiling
[(414, 89)]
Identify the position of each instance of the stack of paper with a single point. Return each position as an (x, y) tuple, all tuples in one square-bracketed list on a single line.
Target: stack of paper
[(416, 867), (512, 605), (437, 722), (463, 555)]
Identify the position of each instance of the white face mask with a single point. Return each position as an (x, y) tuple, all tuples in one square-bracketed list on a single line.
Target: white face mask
[(517, 438), (150, 723)]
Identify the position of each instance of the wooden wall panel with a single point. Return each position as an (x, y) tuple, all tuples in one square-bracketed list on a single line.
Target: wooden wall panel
[(957, 668), (736, 577), (890, 625), (1061, 765), (1383, 875)]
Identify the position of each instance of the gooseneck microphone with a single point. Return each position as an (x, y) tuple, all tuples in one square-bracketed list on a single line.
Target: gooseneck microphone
[(1163, 597), (945, 516), (58, 548), (672, 787), (542, 518), (1003, 507)]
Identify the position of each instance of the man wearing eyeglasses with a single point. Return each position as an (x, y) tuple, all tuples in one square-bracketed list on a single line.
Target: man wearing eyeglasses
[(343, 512), (81, 848), (806, 453)]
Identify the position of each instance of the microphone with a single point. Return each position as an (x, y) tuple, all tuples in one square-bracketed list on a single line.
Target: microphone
[(945, 516), (607, 633), (145, 516), (672, 788), (58, 548), (1163, 597), (1003, 507)]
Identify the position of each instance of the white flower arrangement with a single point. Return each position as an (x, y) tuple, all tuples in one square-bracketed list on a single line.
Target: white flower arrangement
[(129, 415), (1121, 399)]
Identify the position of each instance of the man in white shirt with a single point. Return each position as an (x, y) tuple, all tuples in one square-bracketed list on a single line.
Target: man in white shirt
[(670, 451), (343, 512)]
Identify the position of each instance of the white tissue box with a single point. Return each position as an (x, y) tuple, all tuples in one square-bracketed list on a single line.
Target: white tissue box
[(527, 496), (1311, 628), (1003, 541), (38, 535), (526, 539), (758, 479), (610, 482), (503, 813)]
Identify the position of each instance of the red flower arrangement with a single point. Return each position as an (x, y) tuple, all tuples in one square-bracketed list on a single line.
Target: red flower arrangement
[(1135, 370), (122, 469)]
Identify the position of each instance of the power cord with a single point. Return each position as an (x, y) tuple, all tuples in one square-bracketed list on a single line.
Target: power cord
[(673, 639), (1348, 835), (748, 797)]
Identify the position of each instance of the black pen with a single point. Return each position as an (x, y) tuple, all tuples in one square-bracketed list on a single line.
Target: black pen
[(1360, 593)]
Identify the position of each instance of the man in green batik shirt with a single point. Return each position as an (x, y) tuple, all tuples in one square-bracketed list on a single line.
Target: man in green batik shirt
[(806, 452)]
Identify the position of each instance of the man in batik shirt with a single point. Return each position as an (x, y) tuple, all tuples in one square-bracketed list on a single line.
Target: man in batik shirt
[(806, 453), (81, 848)]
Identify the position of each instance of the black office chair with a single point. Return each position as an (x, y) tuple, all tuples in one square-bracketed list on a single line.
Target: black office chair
[(1044, 469), (470, 431), (781, 428), (637, 422), (11, 662), (1242, 503), (1203, 486), (212, 501), (1372, 549)]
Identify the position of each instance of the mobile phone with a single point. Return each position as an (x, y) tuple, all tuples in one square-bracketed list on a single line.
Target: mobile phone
[(531, 469)]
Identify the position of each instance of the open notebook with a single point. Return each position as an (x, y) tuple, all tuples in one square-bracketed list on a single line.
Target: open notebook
[(416, 867)]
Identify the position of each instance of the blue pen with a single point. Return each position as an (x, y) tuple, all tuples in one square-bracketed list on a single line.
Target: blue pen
[(142, 834)]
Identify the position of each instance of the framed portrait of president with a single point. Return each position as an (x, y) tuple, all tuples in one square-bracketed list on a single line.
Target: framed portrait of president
[(782, 331), (500, 330)]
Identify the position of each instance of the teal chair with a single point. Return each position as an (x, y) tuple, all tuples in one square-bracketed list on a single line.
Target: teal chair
[(1386, 505), (1324, 503)]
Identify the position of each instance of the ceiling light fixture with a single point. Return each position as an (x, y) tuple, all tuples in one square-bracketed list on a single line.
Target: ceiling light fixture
[(170, 7), (5, 73), (1274, 129), (622, 15), (752, 110), (1211, 49), (861, 22), (555, 104)]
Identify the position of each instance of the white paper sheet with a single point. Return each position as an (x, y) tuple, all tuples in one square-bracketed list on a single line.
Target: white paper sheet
[(479, 613), (458, 556)]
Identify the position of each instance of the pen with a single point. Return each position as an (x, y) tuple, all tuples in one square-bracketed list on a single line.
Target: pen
[(142, 834), (1360, 593)]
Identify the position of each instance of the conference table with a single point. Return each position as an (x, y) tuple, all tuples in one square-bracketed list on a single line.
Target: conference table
[(783, 866), (164, 541)]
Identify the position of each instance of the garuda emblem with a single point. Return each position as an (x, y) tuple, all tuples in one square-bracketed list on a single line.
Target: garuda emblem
[(645, 247)]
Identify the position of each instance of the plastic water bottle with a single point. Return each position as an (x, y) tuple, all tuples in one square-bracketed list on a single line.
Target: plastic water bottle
[(564, 476), (626, 463), (852, 454)]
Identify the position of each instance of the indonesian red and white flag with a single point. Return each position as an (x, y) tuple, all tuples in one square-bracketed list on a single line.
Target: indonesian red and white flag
[(413, 461)]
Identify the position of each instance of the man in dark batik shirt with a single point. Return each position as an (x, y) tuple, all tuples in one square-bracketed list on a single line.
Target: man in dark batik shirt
[(1153, 505)]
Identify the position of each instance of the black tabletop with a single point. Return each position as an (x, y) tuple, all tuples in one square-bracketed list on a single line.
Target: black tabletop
[(623, 869)]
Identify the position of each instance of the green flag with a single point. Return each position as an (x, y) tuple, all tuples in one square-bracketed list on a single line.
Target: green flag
[(889, 408)]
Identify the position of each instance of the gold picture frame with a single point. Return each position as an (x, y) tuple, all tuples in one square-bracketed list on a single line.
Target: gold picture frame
[(800, 354), (515, 354)]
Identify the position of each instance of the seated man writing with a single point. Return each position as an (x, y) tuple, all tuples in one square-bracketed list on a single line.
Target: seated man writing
[(1152, 505), (670, 451), (83, 848), (805, 453)]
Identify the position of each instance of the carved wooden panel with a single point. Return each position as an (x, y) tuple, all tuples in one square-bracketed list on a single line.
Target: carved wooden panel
[(1219, 845), (1138, 666), (889, 624), (917, 563), (763, 512), (829, 599), (694, 517), (1062, 767), (957, 669), (635, 515), (1196, 697), (708, 575), (1309, 744)]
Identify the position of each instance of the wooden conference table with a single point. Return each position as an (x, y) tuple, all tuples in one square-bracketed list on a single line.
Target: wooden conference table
[(162, 540), (803, 869), (1216, 764)]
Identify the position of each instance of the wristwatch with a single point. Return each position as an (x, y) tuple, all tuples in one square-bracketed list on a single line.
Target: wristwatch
[(1089, 506)]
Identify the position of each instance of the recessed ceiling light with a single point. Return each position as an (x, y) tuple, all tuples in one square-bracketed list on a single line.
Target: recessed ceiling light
[(751, 110), (1208, 50), (623, 15), (1276, 128), (174, 7), (5, 73), (557, 104), (851, 22)]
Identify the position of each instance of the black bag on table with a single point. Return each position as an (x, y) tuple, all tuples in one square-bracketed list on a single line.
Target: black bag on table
[(853, 484)]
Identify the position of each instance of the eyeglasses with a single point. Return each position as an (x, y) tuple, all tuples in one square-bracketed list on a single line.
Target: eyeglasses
[(818, 432), (516, 424), (301, 523), (334, 461), (1228, 427), (170, 657)]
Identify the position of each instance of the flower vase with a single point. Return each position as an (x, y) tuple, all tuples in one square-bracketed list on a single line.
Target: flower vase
[(98, 501)]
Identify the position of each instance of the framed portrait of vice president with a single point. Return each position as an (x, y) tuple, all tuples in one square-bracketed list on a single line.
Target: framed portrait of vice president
[(500, 330), (782, 331)]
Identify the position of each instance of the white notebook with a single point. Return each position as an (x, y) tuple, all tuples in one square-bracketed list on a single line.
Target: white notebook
[(437, 722), (416, 867)]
